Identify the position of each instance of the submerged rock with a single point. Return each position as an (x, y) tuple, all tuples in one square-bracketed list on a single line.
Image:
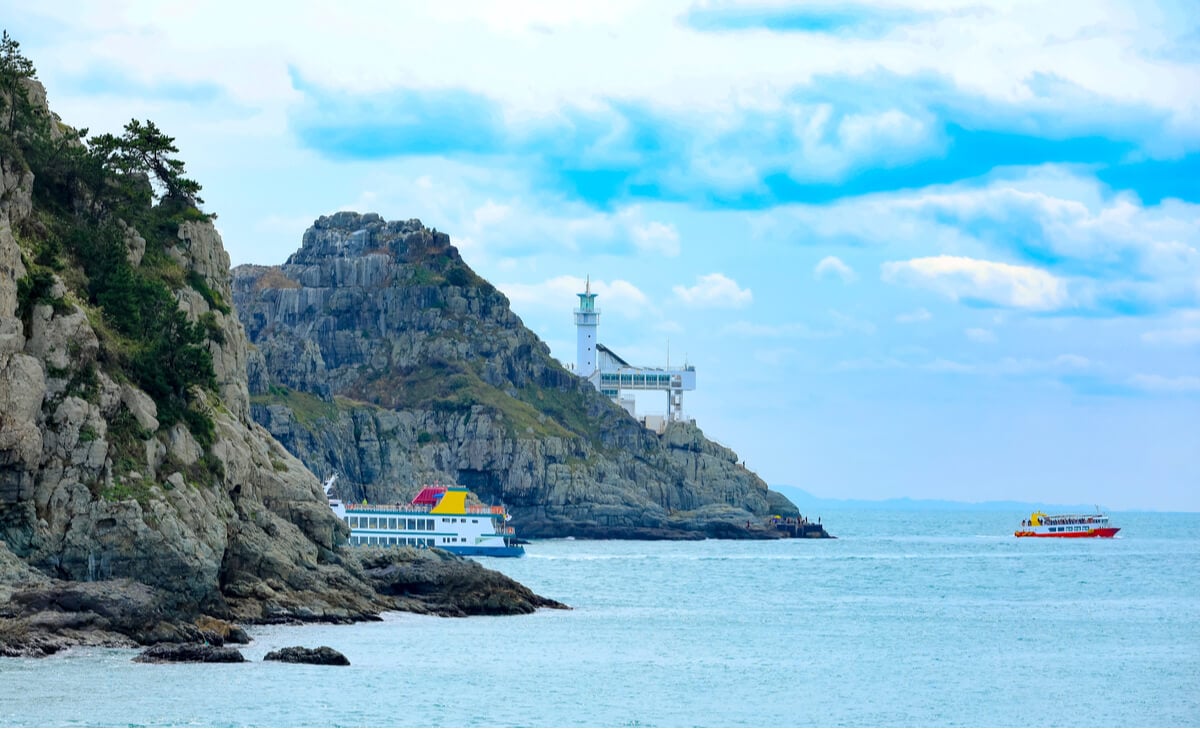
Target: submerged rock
[(323, 656), (190, 653)]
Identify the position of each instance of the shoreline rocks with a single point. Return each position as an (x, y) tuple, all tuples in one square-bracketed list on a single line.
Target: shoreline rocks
[(40, 616)]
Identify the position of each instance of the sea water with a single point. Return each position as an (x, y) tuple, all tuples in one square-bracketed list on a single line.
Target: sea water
[(908, 619)]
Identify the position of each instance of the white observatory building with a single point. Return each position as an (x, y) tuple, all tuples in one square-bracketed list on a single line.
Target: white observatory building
[(615, 377)]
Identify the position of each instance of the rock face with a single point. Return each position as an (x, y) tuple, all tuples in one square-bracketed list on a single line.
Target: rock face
[(383, 357), (114, 528)]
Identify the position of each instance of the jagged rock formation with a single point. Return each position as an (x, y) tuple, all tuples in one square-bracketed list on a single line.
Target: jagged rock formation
[(383, 357), (114, 527)]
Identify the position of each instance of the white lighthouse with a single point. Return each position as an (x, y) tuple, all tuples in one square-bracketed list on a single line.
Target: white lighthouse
[(616, 378), (587, 318)]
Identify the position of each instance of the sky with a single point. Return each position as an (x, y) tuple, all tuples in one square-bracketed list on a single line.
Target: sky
[(929, 249)]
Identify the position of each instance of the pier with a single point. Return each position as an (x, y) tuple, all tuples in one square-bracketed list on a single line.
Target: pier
[(794, 527)]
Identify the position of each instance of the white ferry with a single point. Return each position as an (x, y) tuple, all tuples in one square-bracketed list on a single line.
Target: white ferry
[(1040, 524), (439, 517)]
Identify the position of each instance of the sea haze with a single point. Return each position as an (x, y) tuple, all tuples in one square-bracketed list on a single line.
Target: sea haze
[(907, 619), (807, 502)]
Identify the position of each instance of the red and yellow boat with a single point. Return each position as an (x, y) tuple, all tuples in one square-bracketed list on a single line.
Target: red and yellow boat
[(1066, 526)]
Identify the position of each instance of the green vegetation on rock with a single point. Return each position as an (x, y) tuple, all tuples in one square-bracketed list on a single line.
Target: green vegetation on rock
[(308, 408), (94, 196)]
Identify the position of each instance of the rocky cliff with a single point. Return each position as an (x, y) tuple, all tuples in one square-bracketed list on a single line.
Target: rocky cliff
[(380, 355), (134, 508)]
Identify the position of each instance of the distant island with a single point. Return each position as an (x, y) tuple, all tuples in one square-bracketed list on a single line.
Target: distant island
[(806, 502)]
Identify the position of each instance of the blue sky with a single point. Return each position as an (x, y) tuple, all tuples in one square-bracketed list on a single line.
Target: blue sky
[(943, 250)]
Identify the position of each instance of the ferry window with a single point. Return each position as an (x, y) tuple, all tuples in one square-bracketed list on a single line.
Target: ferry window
[(372, 523), (474, 521), (391, 523), (412, 523)]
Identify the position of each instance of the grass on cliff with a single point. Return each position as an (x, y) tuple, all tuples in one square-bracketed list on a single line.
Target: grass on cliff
[(455, 388), (564, 406), (307, 408)]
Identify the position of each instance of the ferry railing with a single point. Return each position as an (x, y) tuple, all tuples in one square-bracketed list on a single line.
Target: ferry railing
[(426, 508), (414, 508)]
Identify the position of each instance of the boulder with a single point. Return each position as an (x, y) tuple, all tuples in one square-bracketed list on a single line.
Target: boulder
[(439, 583), (189, 653), (323, 656)]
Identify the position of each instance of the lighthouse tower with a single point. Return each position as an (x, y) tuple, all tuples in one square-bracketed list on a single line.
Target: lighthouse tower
[(587, 318)]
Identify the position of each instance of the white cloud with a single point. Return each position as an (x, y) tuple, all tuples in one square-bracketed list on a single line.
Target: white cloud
[(1069, 217), (715, 291), (959, 277), (1013, 366), (1161, 383), (1007, 366), (655, 237), (981, 336), (793, 330), (989, 48), (774, 357), (559, 294), (913, 317), (848, 323), (827, 146), (1178, 337), (834, 266)]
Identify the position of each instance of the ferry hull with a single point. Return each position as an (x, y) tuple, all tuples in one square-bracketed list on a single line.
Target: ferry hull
[(1105, 533), (514, 551)]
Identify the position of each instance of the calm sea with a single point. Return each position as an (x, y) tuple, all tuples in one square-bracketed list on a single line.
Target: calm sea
[(909, 619)]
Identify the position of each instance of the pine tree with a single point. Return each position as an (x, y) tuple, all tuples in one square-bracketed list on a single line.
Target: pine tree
[(14, 70)]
